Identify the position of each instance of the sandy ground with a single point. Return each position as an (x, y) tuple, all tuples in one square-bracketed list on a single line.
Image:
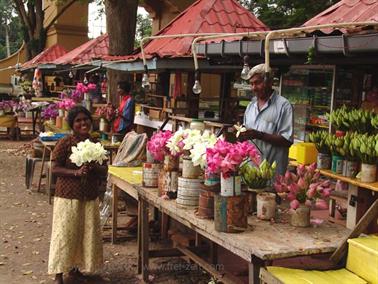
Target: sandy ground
[(25, 227)]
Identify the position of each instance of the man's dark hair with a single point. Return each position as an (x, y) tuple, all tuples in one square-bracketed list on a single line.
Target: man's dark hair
[(75, 112), (125, 86)]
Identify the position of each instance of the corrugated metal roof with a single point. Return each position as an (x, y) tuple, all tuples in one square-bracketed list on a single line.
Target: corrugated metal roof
[(203, 16), (46, 56), (347, 11), (95, 48)]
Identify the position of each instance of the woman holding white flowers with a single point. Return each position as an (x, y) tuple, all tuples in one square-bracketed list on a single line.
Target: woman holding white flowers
[(76, 240)]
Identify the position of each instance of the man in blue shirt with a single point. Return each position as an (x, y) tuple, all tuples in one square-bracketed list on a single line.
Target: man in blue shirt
[(268, 119)]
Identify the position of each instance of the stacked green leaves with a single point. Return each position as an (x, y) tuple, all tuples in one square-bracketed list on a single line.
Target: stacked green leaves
[(258, 177)]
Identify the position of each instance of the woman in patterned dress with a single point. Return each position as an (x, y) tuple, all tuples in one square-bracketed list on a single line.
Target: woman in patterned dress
[(76, 240)]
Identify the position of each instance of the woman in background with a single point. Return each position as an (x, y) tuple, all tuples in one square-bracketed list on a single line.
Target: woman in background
[(125, 115)]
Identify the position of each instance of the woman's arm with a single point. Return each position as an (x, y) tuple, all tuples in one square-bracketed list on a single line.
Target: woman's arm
[(65, 172)]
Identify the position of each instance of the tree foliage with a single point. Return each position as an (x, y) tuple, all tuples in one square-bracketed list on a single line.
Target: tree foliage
[(143, 28), (278, 14), (9, 24)]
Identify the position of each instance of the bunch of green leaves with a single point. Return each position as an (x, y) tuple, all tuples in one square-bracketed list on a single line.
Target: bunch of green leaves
[(257, 177), (365, 147), (358, 120), (319, 138), (348, 151), (374, 121), (336, 145)]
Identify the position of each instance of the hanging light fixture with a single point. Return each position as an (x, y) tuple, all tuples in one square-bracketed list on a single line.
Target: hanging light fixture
[(197, 89), (71, 75), (85, 81), (145, 79), (246, 69)]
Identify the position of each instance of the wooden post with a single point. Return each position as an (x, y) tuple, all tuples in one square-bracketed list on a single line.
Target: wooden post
[(139, 237), (114, 213), (254, 269), (43, 163), (145, 238)]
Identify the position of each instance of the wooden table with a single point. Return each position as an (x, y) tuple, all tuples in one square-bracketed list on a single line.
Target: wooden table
[(261, 243)]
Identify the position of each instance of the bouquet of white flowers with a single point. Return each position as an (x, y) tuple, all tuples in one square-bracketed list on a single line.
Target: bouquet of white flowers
[(87, 152)]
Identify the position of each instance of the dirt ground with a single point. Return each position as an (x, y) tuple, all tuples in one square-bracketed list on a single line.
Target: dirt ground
[(25, 227)]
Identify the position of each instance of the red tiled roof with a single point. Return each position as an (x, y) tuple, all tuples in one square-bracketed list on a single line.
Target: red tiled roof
[(46, 56), (203, 16), (347, 11), (95, 48)]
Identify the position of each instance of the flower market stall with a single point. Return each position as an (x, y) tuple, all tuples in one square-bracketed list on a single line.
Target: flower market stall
[(214, 169)]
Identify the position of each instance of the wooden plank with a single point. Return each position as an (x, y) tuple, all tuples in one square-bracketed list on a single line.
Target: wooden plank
[(268, 278), (139, 239), (144, 239), (372, 186), (370, 215), (114, 212), (221, 276)]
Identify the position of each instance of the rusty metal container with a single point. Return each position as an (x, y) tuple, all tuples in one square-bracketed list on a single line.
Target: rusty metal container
[(231, 213)]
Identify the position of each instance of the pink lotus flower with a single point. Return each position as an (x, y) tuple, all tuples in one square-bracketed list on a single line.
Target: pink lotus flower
[(294, 204), (157, 144), (304, 187), (226, 157), (321, 204)]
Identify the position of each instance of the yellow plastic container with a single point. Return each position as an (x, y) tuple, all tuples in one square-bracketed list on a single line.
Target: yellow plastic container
[(299, 276), (363, 258), (304, 153)]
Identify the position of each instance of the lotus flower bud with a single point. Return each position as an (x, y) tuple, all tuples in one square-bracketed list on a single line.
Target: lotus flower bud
[(294, 188), (321, 204), (308, 203), (311, 192), (287, 176), (294, 204), (301, 169)]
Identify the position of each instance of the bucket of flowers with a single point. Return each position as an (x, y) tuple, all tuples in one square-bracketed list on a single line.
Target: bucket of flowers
[(303, 189), (50, 113), (107, 114), (157, 152), (225, 158)]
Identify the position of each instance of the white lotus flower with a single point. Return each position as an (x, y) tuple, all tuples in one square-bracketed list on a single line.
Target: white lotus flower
[(240, 129), (86, 152)]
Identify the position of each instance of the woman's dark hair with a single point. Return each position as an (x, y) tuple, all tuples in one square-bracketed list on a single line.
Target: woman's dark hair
[(125, 86), (74, 112)]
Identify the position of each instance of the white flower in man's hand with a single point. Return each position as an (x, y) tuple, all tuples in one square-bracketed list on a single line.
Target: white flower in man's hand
[(240, 129)]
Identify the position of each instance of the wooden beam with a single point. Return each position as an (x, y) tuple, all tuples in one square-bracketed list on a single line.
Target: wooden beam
[(221, 276), (370, 215)]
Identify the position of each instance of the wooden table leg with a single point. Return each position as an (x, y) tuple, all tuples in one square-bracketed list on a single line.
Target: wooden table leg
[(145, 239), (254, 269), (42, 166), (114, 213), (139, 237), (164, 226), (214, 253)]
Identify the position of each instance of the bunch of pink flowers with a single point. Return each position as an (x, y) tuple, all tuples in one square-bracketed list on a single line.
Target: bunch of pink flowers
[(303, 187), (80, 87), (157, 145), (66, 104), (226, 157), (107, 112)]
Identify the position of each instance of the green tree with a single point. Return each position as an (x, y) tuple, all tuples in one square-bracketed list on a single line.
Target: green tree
[(278, 14), (143, 28), (10, 29)]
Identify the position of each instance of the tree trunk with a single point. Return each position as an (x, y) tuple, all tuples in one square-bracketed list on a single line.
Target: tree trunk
[(121, 25)]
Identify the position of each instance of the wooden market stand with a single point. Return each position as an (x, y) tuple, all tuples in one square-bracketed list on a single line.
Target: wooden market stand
[(259, 245)]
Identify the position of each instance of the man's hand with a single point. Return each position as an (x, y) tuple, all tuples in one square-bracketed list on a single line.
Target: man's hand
[(250, 134)]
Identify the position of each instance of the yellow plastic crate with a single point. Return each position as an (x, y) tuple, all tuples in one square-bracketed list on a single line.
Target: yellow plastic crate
[(304, 153), (363, 258), (298, 276)]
